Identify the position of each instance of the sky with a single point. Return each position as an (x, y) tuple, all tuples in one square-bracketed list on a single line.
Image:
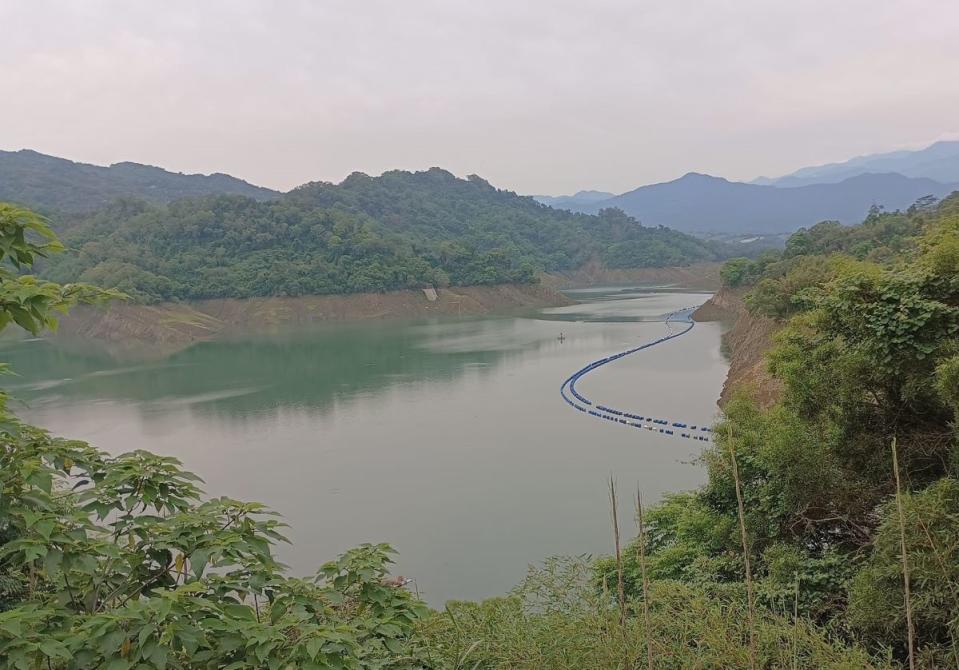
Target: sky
[(537, 96)]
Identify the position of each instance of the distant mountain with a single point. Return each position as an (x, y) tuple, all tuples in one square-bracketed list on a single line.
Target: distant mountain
[(52, 183), (939, 161), (701, 203), (580, 198)]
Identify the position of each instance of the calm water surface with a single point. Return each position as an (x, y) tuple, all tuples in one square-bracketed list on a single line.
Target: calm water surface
[(447, 438)]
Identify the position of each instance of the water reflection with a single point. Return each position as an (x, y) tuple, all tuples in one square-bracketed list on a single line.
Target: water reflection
[(446, 438), (305, 368)]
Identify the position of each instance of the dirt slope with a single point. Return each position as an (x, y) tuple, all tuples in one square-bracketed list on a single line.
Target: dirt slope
[(747, 342), (167, 327)]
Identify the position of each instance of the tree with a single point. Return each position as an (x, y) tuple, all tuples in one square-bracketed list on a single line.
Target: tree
[(25, 300)]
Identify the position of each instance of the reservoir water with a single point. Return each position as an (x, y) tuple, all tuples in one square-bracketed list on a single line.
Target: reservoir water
[(446, 438)]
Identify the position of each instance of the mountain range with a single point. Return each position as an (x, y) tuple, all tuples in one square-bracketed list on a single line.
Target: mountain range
[(52, 183), (702, 203), (938, 161), (694, 203), (841, 192)]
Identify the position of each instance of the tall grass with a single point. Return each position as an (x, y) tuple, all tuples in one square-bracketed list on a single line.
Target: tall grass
[(941, 562), (558, 620)]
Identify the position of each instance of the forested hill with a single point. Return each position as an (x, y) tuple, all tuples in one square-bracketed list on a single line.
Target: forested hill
[(434, 206), (399, 230), (55, 184)]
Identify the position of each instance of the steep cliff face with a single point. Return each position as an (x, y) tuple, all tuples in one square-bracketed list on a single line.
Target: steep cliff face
[(747, 342)]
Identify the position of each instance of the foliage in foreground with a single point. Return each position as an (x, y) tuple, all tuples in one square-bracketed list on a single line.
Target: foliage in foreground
[(117, 562)]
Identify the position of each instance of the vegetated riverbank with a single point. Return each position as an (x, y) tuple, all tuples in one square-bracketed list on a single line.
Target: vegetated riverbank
[(168, 327), (746, 342)]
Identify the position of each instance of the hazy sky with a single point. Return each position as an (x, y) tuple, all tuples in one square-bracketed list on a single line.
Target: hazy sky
[(543, 96)]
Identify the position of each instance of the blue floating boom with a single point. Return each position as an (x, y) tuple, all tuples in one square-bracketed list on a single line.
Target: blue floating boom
[(616, 415)]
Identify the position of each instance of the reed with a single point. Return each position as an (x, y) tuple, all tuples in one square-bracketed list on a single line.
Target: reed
[(647, 627), (620, 588), (745, 539), (796, 624), (905, 559)]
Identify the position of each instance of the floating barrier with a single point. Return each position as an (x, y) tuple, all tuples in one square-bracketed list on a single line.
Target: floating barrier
[(578, 401)]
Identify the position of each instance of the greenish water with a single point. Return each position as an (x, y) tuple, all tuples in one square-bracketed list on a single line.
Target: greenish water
[(447, 438)]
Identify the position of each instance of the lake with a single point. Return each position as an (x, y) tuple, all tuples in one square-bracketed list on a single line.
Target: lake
[(447, 438)]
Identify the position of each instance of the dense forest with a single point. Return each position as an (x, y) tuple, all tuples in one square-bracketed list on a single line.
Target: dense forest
[(400, 230), (826, 536)]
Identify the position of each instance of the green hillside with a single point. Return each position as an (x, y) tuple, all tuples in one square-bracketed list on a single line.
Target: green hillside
[(400, 230)]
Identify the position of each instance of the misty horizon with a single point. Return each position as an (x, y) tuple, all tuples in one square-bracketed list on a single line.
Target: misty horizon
[(544, 98)]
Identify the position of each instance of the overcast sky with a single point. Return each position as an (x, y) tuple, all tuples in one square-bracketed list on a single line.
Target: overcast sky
[(543, 96)]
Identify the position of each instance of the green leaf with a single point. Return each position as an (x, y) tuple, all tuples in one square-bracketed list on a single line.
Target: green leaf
[(240, 612), (54, 649), (198, 561)]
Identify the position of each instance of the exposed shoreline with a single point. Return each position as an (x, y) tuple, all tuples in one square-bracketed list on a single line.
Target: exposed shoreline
[(168, 327), (747, 341), (164, 328)]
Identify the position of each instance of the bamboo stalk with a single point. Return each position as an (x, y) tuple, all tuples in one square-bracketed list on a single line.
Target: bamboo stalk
[(620, 590), (642, 566), (745, 540), (905, 558), (796, 625)]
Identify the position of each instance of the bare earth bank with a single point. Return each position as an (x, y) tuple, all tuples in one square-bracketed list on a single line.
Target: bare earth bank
[(170, 326), (747, 342)]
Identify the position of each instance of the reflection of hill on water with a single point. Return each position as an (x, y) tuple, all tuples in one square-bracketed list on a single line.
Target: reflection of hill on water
[(307, 369)]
